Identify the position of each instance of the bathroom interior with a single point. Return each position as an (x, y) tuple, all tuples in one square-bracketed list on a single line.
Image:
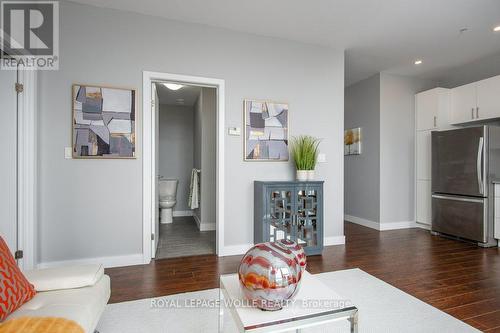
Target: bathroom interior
[(186, 169)]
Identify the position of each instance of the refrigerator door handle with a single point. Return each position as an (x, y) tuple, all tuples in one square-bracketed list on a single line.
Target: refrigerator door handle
[(452, 198), (479, 164)]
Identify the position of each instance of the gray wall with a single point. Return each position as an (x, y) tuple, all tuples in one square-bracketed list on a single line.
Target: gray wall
[(477, 70), (208, 155), (361, 172), (397, 146), (176, 149), (379, 183), (85, 204), (205, 125)]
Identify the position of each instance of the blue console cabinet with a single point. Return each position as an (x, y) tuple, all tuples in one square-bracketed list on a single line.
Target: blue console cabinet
[(291, 210)]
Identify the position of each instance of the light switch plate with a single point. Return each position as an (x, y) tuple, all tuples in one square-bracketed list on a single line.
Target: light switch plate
[(68, 153), (236, 131), (321, 158)]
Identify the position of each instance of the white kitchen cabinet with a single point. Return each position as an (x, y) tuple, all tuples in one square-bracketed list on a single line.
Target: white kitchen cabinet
[(424, 155), (432, 109), (426, 110), (488, 98), (432, 112), (424, 202), (463, 103)]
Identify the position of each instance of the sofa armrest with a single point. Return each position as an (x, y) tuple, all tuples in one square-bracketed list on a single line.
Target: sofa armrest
[(69, 277)]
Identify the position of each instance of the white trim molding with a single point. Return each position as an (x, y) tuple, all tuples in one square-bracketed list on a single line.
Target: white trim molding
[(233, 250), (107, 262), (180, 213), (380, 226), (27, 168), (334, 240), (423, 226), (149, 176)]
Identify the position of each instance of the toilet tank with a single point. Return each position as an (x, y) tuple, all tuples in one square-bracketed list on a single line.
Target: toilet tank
[(167, 188)]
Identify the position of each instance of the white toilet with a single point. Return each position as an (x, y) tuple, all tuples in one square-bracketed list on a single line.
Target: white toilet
[(167, 189)]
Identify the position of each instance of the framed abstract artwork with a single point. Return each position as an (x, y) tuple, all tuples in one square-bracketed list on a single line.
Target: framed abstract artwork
[(103, 122), (352, 141), (266, 131)]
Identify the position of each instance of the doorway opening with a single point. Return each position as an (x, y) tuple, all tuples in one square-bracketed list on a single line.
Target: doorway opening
[(186, 160), (183, 165)]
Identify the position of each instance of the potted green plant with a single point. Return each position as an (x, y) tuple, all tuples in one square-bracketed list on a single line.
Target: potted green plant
[(304, 150)]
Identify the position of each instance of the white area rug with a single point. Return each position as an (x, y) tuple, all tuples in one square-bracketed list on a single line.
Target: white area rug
[(382, 308)]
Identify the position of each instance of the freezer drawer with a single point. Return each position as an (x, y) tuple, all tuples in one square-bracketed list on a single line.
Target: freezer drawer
[(460, 216)]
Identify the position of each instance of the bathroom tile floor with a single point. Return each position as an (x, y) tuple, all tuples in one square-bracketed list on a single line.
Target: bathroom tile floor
[(182, 238)]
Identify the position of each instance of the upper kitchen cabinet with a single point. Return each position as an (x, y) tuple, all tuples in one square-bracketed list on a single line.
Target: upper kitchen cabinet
[(476, 101), (432, 109), (488, 98), (463, 103)]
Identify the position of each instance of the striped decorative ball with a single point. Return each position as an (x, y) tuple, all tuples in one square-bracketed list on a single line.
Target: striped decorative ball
[(270, 273)]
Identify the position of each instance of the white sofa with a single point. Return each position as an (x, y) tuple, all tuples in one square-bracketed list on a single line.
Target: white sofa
[(79, 293)]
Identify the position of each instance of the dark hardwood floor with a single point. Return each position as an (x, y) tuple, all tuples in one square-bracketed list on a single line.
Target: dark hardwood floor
[(458, 278)]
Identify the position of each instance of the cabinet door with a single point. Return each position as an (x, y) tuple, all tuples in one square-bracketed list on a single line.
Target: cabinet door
[(424, 202), (424, 155), (427, 104), (279, 217), (308, 228), (488, 98), (463, 103)]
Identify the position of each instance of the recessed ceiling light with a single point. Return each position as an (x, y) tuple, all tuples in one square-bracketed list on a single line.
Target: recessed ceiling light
[(173, 86), (418, 62), (496, 29)]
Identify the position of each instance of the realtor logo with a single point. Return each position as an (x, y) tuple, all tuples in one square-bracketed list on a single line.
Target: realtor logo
[(29, 34)]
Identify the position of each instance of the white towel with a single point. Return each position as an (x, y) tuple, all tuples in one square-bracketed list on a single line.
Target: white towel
[(194, 190)]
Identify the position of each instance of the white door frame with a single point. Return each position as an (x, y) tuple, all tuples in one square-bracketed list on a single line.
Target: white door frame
[(149, 173), (27, 168)]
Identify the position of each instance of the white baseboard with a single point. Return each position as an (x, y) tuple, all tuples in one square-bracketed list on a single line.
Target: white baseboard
[(423, 226), (203, 226), (397, 225), (108, 262), (380, 226), (178, 213), (233, 250), (334, 240), (206, 226), (363, 222), (197, 220)]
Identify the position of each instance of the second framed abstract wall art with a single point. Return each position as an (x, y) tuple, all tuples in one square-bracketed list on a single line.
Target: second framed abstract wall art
[(266, 131)]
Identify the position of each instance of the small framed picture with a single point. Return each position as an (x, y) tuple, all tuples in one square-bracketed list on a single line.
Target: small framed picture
[(352, 141)]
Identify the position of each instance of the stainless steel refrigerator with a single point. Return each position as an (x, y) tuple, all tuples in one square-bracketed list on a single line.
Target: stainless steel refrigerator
[(465, 162)]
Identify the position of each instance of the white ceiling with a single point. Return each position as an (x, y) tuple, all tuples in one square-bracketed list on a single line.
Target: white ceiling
[(378, 35), (189, 95)]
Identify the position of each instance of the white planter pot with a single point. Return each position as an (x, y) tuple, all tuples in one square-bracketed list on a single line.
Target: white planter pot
[(302, 175), (310, 174)]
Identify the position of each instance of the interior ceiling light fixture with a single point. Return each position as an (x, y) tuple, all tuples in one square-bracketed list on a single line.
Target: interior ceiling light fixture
[(418, 62), (497, 28), (173, 86)]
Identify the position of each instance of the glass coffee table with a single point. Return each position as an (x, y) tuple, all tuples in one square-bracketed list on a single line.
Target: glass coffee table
[(315, 304)]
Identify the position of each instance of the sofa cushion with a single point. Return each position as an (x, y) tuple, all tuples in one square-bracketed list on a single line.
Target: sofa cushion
[(65, 277), (15, 290), (82, 305)]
